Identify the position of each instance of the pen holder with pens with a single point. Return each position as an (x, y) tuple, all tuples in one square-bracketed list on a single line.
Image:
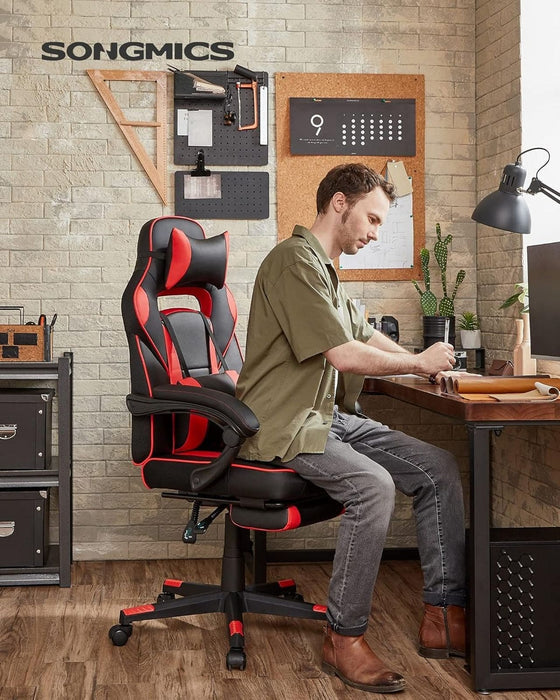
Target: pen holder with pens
[(25, 342)]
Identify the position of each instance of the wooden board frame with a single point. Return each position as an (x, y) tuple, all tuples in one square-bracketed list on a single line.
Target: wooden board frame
[(156, 171), (299, 176)]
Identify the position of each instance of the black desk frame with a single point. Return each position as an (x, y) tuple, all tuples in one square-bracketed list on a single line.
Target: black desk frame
[(484, 677), (480, 426)]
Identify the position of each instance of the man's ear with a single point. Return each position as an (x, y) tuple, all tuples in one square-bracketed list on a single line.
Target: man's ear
[(338, 201)]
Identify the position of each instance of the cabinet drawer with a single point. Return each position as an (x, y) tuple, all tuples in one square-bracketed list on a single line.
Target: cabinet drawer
[(23, 527), (25, 428)]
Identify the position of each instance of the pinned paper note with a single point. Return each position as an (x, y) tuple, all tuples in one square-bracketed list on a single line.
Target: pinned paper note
[(200, 127), (397, 175), (182, 122), (208, 187)]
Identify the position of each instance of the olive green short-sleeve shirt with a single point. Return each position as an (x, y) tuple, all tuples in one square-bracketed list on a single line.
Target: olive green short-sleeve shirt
[(298, 311)]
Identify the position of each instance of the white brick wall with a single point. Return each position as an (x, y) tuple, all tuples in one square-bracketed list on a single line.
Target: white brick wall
[(73, 197), (526, 461)]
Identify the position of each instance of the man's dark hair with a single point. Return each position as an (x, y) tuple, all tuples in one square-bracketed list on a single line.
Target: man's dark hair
[(354, 180)]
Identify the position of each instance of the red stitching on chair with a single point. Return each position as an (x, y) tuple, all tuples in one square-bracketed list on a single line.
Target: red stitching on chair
[(262, 469), (206, 456)]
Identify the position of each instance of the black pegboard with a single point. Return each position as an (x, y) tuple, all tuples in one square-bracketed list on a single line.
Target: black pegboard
[(244, 196), (229, 145)]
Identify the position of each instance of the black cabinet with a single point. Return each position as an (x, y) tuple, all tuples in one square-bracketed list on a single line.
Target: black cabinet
[(23, 527), (25, 428), (54, 565), (525, 601)]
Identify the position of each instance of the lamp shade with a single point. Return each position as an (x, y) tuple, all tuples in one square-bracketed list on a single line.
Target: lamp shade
[(505, 208)]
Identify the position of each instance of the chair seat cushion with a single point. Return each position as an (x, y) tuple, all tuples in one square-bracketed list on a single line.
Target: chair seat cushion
[(263, 495), (244, 479)]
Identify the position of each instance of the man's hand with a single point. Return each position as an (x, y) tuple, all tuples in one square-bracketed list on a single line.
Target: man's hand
[(438, 357)]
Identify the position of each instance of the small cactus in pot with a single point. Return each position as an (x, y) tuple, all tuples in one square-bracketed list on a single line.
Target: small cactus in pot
[(432, 310), (428, 300)]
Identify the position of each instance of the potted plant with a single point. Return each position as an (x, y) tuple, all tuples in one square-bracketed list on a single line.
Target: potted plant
[(435, 313), (470, 330), (521, 295), (523, 363)]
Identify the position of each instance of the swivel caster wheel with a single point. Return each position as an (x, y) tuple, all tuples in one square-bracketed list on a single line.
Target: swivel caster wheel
[(119, 634), (236, 658)]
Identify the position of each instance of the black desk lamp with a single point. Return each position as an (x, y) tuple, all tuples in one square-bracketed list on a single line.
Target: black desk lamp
[(505, 208)]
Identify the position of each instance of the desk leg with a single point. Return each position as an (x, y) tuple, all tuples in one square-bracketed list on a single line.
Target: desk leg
[(479, 555)]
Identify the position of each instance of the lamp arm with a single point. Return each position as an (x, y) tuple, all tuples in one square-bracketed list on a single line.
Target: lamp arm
[(537, 186)]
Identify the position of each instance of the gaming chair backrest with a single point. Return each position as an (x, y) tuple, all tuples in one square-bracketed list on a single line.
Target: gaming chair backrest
[(175, 259)]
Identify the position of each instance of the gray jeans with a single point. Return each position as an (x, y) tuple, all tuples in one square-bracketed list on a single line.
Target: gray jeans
[(363, 462)]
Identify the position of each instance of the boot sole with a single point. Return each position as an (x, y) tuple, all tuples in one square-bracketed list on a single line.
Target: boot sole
[(429, 653), (332, 671)]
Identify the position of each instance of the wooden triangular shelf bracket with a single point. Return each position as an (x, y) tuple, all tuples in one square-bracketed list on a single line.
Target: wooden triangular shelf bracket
[(157, 172)]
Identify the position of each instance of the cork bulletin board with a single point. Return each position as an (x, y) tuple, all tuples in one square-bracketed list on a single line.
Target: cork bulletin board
[(301, 163)]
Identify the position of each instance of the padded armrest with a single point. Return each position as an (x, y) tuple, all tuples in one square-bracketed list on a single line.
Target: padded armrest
[(176, 398), (240, 422)]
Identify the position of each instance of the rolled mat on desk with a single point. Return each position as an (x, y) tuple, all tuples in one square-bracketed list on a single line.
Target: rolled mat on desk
[(541, 392), (466, 385)]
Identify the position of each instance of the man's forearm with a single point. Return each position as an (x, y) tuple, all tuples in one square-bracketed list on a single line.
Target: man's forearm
[(382, 342), (366, 358), (369, 358)]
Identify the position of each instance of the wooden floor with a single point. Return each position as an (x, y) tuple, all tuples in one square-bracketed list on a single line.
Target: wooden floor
[(54, 643)]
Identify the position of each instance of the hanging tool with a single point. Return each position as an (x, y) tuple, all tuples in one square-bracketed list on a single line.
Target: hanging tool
[(246, 73), (198, 86), (263, 115), (229, 114)]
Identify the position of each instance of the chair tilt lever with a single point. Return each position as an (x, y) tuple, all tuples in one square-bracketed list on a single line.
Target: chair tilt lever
[(195, 527)]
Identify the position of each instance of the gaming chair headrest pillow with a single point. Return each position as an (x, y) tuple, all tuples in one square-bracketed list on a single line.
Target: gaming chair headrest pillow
[(196, 260)]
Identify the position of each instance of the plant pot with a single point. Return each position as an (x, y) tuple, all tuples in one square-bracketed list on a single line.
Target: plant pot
[(471, 339), (434, 329)]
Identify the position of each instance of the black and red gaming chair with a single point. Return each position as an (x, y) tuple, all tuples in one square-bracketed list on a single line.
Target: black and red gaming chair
[(187, 427)]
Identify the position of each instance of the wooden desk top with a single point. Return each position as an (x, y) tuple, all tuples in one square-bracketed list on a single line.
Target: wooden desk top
[(419, 392)]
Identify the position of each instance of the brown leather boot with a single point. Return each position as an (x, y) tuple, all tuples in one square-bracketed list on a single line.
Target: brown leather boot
[(351, 659), (442, 632)]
